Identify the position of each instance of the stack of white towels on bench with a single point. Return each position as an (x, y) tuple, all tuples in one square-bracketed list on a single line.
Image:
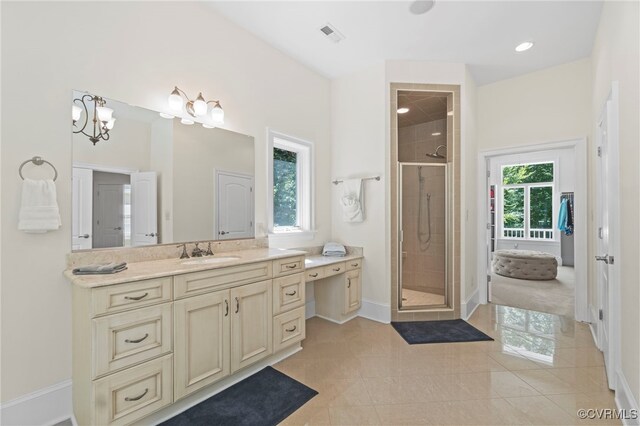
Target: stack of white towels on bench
[(334, 249)]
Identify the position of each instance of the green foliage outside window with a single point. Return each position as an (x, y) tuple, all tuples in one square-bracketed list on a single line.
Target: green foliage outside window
[(540, 197), (527, 173), (513, 208), (541, 207), (285, 187)]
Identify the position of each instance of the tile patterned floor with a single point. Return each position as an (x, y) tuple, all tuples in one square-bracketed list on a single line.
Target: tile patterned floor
[(540, 369), (420, 298)]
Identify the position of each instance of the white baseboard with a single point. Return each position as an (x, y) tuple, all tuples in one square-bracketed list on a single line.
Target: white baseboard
[(46, 406), (468, 307), (375, 311), (336, 321), (310, 309), (626, 401)]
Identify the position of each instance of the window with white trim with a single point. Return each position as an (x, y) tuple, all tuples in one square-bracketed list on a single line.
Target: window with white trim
[(527, 201), (290, 184)]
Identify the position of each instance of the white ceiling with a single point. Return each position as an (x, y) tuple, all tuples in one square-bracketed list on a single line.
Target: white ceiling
[(482, 34)]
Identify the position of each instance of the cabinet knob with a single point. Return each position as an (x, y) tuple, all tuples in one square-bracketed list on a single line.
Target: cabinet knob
[(291, 294), (137, 340), (336, 269), (237, 305), (135, 398), (348, 282), (226, 303), (313, 275), (290, 330), (355, 265), (136, 297)]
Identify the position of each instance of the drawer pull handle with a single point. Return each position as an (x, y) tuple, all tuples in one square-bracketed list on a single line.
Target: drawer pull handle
[(237, 305), (292, 266), (336, 269), (313, 275), (291, 294), (226, 303), (348, 282), (355, 265), (137, 340), (136, 298), (291, 330), (136, 398)]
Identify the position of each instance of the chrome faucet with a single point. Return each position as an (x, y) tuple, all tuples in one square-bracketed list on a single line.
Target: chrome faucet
[(184, 254), (197, 251), (209, 251)]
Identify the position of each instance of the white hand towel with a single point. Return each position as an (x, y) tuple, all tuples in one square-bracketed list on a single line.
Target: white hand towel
[(352, 202), (39, 211)]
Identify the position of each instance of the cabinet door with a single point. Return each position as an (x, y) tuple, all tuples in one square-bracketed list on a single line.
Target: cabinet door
[(352, 291), (202, 341), (251, 324)]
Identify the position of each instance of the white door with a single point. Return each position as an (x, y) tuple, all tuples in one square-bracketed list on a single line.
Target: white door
[(144, 208), (82, 206), (234, 206), (109, 216), (604, 257)]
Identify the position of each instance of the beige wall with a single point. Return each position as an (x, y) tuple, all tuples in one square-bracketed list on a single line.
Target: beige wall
[(141, 50), (615, 57)]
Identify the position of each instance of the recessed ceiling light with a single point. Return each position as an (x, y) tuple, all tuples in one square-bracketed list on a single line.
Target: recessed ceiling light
[(419, 7), (522, 47), (436, 134), (165, 115), (403, 110)]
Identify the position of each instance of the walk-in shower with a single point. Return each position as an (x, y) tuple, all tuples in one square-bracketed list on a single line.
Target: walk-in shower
[(423, 198)]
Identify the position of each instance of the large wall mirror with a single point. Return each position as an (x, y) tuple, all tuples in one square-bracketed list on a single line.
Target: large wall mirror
[(151, 180)]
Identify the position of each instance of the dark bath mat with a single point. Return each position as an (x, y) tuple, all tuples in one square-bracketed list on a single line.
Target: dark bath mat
[(444, 331), (266, 398)]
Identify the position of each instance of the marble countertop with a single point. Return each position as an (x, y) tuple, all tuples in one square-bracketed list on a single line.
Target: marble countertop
[(168, 267), (318, 260)]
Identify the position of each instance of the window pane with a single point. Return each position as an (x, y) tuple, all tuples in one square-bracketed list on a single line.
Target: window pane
[(541, 207), (513, 208), (285, 188), (527, 173)]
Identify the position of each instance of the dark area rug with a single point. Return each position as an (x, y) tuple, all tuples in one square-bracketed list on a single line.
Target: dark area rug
[(444, 331), (266, 398)]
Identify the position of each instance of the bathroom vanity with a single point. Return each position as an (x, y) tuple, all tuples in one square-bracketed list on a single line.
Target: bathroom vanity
[(165, 329)]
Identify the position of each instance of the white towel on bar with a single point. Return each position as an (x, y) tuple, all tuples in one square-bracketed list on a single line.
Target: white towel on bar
[(352, 202), (39, 211)]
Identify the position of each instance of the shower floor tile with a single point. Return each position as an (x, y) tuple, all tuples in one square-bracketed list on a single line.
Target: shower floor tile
[(420, 298)]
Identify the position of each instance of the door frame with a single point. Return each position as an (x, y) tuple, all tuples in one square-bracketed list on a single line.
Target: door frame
[(613, 189), (579, 146), (216, 177)]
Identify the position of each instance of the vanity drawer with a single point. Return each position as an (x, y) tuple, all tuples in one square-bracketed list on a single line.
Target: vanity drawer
[(288, 266), (288, 328), (130, 395), (354, 264), (335, 269), (313, 274), (288, 293), (122, 297), (125, 339), (218, 279)]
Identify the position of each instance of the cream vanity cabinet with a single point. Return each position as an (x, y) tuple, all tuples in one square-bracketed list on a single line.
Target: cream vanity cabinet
[(139, 346), (338, 289)]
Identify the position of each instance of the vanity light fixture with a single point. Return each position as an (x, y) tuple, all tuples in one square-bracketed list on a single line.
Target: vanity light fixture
[(403, 110), (195, 108), (103, 120), (187, 121), (522, 47), (165, 115)]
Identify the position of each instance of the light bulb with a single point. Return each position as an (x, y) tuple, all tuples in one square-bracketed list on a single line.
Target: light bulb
[(110, 123), (187, 121), (104, 113), (403, 110), (76, 111), (167, 116), (200, 106), (217, 114), (208, 126), (175, 100)]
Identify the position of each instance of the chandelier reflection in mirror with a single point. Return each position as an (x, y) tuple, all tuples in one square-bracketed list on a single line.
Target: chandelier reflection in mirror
[(102, 120), (198, 108)]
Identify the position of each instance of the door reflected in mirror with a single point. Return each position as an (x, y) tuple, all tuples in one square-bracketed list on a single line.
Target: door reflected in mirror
[(157, 181)]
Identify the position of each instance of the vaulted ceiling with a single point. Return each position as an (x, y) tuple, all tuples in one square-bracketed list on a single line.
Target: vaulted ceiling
[(482, 34)]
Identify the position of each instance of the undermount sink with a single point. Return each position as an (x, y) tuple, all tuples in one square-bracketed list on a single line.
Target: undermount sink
[(209, 260)]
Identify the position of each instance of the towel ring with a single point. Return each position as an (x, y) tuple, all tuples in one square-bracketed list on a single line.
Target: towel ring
[(38, 161)]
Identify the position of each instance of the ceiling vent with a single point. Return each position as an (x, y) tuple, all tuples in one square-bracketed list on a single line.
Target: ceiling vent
[(332, 33)]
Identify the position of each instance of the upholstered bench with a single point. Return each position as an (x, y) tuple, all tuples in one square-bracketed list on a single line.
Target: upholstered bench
[(525, 264)]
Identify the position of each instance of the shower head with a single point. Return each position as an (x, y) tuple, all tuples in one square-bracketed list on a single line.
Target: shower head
[(435, 154)]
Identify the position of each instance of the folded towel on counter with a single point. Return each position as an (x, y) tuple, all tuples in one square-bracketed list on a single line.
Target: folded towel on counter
[(352, 203), (109, 268), (334, 249), (39, 211)]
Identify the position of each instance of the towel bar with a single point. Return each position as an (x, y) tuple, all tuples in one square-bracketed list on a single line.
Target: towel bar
[(38, 161), (335, 182)]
